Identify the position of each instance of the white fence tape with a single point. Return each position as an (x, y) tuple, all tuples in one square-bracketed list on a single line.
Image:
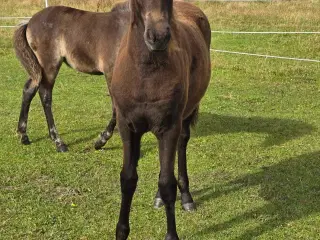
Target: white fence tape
[(232, 0), (224, 32), (14, 17), (240, 32), (265, 56)]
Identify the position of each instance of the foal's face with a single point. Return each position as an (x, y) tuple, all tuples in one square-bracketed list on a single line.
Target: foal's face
[(155, 15)]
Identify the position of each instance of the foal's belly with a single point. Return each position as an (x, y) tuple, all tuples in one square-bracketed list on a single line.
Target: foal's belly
[(85, 57), (82, 63)]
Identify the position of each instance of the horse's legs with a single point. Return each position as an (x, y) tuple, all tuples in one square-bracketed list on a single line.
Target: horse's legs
[(29, 91), (50, 72), (107, 133), (45, 92), (167, 181), (128, 177), (183, 180)]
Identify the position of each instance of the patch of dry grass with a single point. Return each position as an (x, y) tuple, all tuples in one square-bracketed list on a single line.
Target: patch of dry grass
[(301, 15), (27, 8), (30, 7)]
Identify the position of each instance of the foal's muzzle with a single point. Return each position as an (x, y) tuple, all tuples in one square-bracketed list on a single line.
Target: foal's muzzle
[(157, 40)]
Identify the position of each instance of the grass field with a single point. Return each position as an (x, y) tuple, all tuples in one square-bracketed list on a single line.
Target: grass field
[(254, 158)]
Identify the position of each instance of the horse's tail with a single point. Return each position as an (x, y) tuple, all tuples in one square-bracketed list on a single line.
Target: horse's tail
[(26, 55), (194, 117)]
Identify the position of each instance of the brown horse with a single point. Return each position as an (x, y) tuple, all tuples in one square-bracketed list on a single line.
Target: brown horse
[(160, 75), (86, 41)]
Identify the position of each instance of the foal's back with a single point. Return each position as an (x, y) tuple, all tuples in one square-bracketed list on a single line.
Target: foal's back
[(86, 41), (191, 15), (194, 38)]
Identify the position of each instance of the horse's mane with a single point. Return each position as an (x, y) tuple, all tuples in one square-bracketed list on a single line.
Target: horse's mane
[(120, 7)]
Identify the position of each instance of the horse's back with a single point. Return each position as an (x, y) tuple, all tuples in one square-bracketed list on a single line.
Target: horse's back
[(192, 15), (194, 37), (87, 41), (121, 6)]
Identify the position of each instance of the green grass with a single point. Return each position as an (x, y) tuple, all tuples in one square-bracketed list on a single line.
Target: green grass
[(254, 158)]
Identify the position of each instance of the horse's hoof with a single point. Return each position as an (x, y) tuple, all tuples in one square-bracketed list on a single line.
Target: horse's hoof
[(189, 207), (25, 140), (172, 237), (103, 138), (122, 232), (62, 148), (99, 144), (158, 203)]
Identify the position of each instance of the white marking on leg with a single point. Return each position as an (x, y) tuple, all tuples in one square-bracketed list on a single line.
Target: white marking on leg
[(23, 125)]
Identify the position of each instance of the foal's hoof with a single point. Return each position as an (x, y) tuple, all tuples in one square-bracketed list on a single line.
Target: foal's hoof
[(122, 232), (62, 147), (158, 203), (172, 237), (25, 140), (189, 207), (99, 144), (103, 138)]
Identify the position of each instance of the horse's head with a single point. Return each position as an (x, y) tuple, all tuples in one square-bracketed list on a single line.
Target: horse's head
[(155, 17)]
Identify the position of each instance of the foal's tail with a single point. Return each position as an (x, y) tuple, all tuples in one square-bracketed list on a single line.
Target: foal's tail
[(194, 117), (26, 55)]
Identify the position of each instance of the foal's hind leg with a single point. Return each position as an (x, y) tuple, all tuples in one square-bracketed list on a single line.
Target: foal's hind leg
[(107, 133), (50, 72), (45, 92), (29, 91)]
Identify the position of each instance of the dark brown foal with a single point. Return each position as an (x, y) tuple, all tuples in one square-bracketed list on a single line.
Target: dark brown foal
[(86, 41), (160, 75)]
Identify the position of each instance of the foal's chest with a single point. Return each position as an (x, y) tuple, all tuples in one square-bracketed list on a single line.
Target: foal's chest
[(149, 104)]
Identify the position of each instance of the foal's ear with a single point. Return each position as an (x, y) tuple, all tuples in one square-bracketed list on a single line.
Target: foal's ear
[(135, 11), (132, 8), (130, 5)]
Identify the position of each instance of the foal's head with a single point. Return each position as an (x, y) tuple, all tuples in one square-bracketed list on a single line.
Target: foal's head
[(155, 17)]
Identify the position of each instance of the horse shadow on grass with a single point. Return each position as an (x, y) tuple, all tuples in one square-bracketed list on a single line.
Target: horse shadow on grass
[(279, 130), (291, 189)]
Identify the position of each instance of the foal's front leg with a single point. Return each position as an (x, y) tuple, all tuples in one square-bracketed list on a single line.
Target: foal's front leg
[(183, 180), (167, 181), (128, 177)]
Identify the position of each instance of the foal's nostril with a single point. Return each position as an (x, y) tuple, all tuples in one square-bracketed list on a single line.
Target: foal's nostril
[(150, 36), (158, 38), (168, 35)]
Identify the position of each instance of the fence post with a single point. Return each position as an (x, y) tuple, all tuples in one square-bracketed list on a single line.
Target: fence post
[(46, 1)]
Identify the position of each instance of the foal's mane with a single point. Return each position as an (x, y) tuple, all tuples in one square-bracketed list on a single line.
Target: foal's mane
[(122, 7)]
